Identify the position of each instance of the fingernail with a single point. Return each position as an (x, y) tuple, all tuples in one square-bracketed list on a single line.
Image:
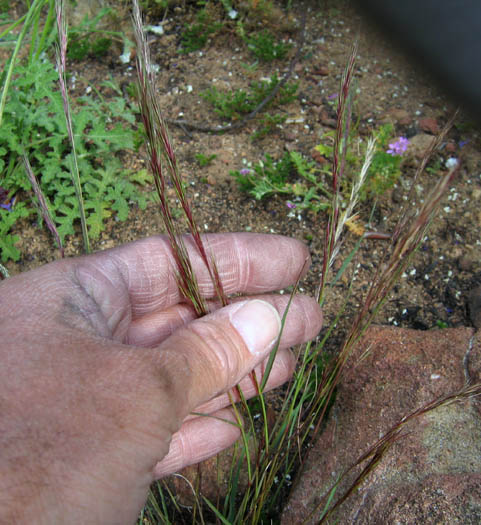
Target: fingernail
[(258, 323)]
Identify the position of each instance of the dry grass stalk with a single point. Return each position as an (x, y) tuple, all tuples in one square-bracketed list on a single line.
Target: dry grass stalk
[(62, 68), (332, 235), (376, 452)]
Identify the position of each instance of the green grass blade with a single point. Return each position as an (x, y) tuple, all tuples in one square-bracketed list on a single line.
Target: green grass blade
[(216, 512), (37, 5)]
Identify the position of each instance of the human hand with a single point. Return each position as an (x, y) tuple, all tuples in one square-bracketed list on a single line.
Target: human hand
[(101, 363)]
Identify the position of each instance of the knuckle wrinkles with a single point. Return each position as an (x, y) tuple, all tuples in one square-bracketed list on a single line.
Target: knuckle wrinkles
[(219, 350)]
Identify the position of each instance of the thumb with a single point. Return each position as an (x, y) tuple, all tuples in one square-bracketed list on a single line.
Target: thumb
[(212, 354)]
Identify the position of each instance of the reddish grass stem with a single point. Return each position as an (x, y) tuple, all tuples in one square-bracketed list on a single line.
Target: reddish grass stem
[(42, 203), (163, 164)]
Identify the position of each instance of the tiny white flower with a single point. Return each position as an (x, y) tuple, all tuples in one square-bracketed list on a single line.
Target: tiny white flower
[(125, 57), (451, 163), (157, 30)]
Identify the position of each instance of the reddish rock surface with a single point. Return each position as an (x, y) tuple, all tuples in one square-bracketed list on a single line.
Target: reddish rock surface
[(429, 125), (433, 474)]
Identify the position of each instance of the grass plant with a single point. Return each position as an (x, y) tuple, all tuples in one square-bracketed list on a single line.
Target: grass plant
[(270, 452), (163, 164)]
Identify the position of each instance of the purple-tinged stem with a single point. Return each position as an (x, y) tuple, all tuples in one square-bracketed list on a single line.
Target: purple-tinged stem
[(43, 205), (162, 155)]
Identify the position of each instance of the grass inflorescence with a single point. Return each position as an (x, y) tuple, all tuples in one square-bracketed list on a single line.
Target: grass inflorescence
[(163, 164)]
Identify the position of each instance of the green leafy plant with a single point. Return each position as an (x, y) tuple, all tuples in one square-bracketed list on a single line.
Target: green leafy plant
[(231, 105), (40, 39), (195, 35), (268, 124), (264, 47), (385, 167), (4, 6), (303, 181), (204, 160), (310, 191), (8, 240), (88, 39), (292, 175), (80, 49), (34, 124), (266, 177)]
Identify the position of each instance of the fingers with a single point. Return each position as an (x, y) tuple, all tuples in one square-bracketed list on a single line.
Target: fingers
[(281, 371), (304, 318), (199, 439), (215, 352), (247, 263)]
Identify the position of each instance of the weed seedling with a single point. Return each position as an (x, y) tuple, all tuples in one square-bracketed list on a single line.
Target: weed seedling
[(204, 160), (231, 105), (291, 175), (195, 36), (264, 47)]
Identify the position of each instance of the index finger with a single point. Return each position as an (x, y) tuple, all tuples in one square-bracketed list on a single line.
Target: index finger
[(247, 263)]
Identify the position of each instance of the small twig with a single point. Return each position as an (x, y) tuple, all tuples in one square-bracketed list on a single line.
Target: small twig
[(185, 125)]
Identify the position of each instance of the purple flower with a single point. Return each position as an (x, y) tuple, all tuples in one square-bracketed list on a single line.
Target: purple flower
[(398, 147), (291, 205), (5, 202), (245, 171)]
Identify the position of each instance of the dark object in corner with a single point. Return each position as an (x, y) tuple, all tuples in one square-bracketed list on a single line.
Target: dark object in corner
[(444, 35)]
